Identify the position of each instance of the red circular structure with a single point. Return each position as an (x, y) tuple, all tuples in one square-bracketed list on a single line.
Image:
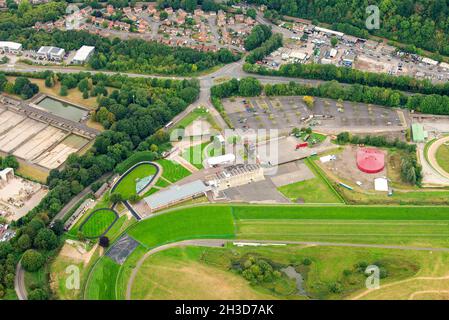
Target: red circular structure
[(370, 160)]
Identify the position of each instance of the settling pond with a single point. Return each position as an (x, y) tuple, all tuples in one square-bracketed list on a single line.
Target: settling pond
[(63, 109)]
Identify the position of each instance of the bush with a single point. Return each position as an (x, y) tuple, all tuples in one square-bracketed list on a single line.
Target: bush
[(38, 294), (32, 260), (104, 241), (335, 287), (306, 262)]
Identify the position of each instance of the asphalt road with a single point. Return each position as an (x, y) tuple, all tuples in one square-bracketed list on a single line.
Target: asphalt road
[(19, 283)]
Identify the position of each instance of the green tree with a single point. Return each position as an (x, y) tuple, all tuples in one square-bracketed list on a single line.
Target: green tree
[(32, 260)]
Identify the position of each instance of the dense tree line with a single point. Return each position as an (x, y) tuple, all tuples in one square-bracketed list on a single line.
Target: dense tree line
[(432, 104), (26, 15), (139, 107), (348, 75), (422, 23), (189, 5), (411, 170), (246, 87), (258, 35), (272, 44), (21, 86)]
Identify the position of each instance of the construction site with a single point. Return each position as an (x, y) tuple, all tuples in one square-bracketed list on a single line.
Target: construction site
[(17, 195)]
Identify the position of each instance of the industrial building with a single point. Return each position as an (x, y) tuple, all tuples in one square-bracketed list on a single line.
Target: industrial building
[(236, 175), (225, 159), (83, 54), (10, 47), (6, 175), (51, 53), (176, 194)]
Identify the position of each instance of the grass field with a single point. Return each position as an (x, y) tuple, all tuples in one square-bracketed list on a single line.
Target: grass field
[(174, 274), (417, 226), (442, 157), (127, 187), (172, 171), (413, 226), (59, 276), (190, 223), (331, 274), (311, 191), (101, 285), (98, 223), (169, 227)]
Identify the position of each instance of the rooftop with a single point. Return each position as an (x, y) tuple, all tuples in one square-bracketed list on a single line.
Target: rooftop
[(83, 53), (175, 194)]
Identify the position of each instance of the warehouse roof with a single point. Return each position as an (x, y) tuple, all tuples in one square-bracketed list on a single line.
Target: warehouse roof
[(175, 194), (51, 50), (11, 45), (418, 132), (83, 53)]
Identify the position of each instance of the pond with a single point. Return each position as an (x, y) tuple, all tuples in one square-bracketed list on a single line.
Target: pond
[(63, 109)]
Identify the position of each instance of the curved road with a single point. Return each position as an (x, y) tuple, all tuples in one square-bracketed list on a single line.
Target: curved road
[(222, 242), (19, 283), (431, 156)]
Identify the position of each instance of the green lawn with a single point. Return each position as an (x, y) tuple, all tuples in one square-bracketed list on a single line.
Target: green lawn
[(442, 157), (194, 154), (200, 112), (101, 285), (173, 171), (174, 273), (189, 223), (417, 226), (98, 223), (413, 226), (311, 191), (127, 187)]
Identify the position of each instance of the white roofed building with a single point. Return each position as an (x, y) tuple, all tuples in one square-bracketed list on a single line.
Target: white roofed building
[(51, 53), (225, 159), (10, 47), (83, 54)]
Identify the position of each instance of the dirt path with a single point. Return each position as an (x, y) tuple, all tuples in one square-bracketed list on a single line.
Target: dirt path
[(412, 296), (366, 292)]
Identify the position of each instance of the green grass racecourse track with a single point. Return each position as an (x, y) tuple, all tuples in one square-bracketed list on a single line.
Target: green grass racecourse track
[(127, 186), (411, 226), (98, 223)]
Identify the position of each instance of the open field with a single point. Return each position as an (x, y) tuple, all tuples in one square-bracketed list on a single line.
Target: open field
[(127, 187), (411, 226), (310, 191), (174, 274), (98, 223), (172, 171), (101, 284), (442, 157), (332, 273)]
